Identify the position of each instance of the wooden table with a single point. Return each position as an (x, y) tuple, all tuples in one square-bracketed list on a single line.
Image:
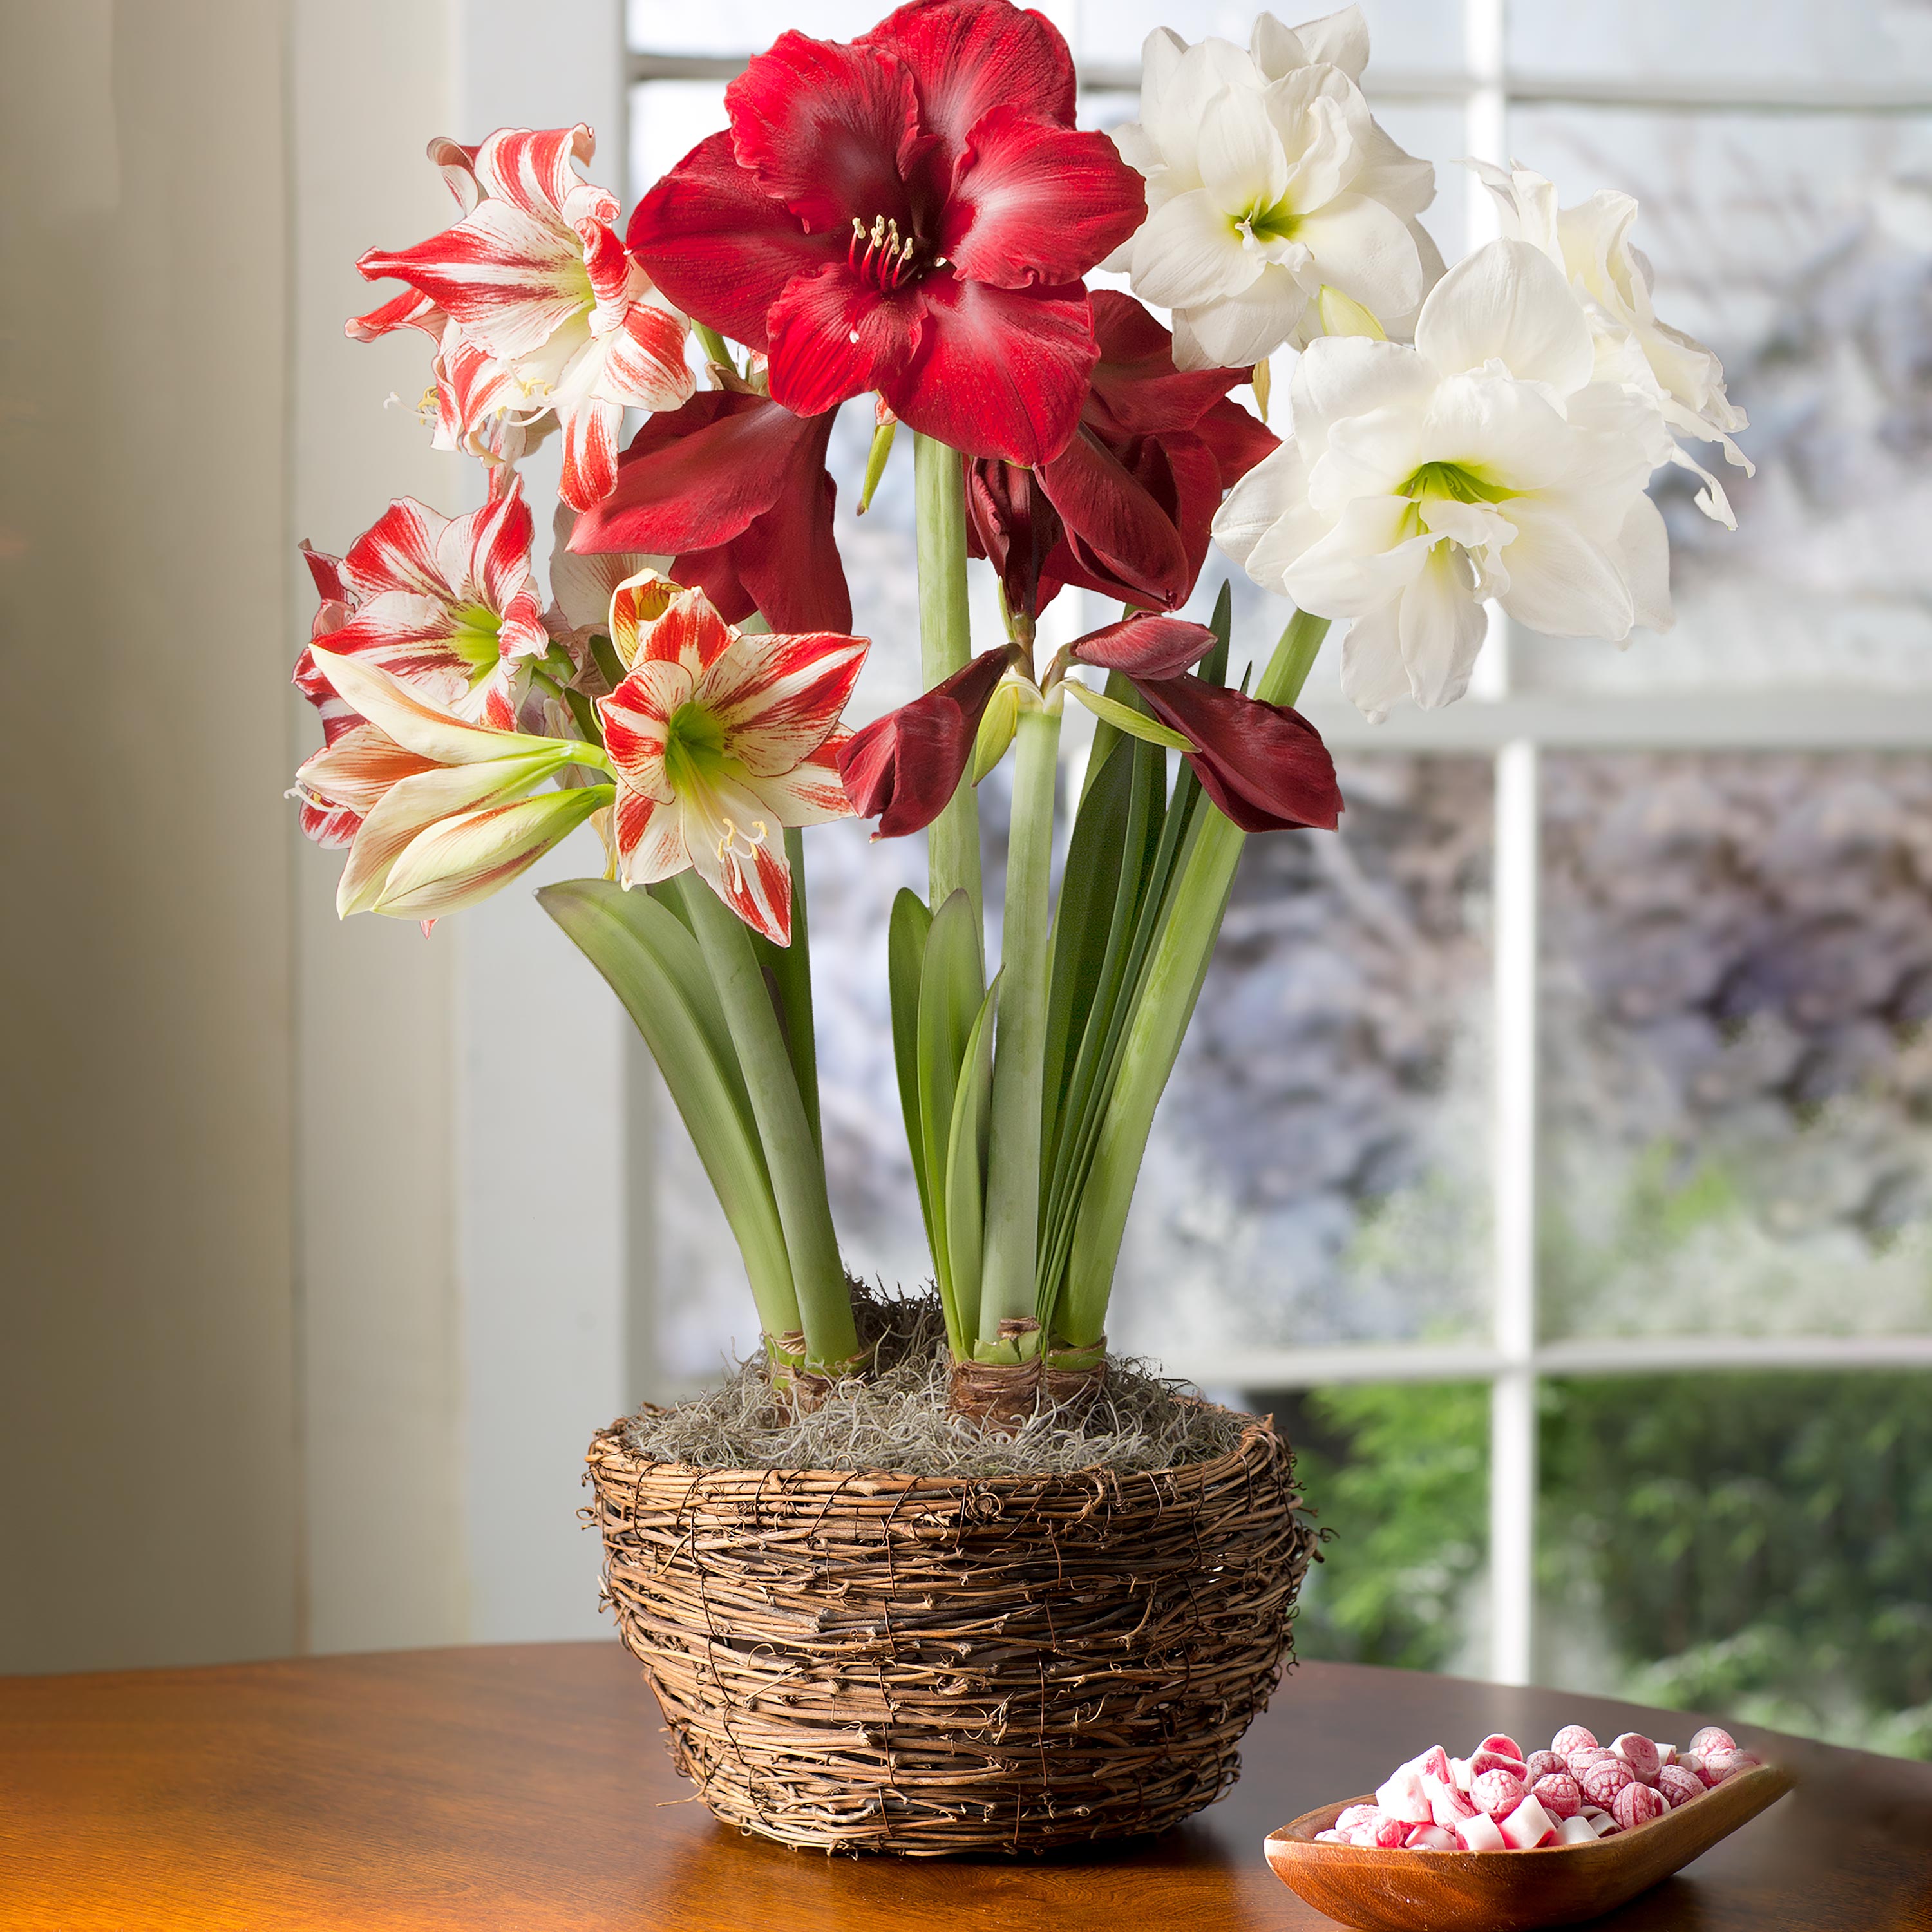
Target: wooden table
[(527, 1789)]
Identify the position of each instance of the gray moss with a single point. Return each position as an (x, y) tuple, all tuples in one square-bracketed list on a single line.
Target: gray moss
[(898, 1420)]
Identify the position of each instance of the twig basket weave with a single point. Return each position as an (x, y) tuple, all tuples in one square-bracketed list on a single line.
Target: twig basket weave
[(932, 1664)]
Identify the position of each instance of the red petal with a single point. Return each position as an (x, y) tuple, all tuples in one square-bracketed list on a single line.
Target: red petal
[(1263, 764), (788, 559), (833, 334), (412, 309), (905, 767), (693, 477), (1120, 540), (326, 572), (828, 129), (1034, 202), (1156, 647), (998, 372), (968, 56), (1137, 391), (397, 552), (719, 246), (1236, 440)]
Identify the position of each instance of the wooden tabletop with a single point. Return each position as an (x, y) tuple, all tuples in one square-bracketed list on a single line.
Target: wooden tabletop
[(526, 1790)]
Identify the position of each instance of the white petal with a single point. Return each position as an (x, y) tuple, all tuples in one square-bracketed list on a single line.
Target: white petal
[(1372, 677), (1341, 39), (1561, 583), (1442, 628), (1366, 251), (1189, 252), (1340, 376), (1370, 455), (1240, 329), (1508, 432), (1276, 485), (1374, 551), (1242, 165), (1277, 49), (1391, 175), (1644, 546), (1509, 303)]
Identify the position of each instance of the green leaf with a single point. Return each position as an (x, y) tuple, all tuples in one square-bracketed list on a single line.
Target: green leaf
[(1125, 718), (905, 962), (787, 971), (655, 968), (952, 986), (966, 1166)]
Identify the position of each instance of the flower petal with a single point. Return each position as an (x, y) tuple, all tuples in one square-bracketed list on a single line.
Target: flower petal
[(737, 848), (1115, 529), (532, 171), (1147, 646), (1442, 625), (1034, 202), (650, 834), (1243, 167), (460, 861), (830, 129), (1264, 765), (778, 698), (590, 433), (637, 717), (834, 335), (968, 56), (1372, 674), (1136, 389), (719, 246), (998, 372), (412, 721), (1366, 251), (357, 768), (1561, 583), (903, 768), (811, 793), (1509, 302), (1191, 252), (397, 552)]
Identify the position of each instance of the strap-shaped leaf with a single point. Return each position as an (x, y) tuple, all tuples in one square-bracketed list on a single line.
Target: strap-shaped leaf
[(1124, 718), (966, 1167), (905, 962), (654, 966), (951, 990), (787, 971)]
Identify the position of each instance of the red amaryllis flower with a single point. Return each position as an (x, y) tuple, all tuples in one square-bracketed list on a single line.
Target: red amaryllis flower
[(1125, 509), (732, 488), (903, 768), (1264, 765), (911, 213)]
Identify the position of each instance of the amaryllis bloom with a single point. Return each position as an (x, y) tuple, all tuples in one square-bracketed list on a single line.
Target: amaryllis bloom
[(1591, 243), (447, 605), (534, 278), (1126, 508), (903, 768), (329, 824), (1264, 765), (732, 488), (1486, 461), (447, 811), (1268, 179), (911, 213), (719, 740)]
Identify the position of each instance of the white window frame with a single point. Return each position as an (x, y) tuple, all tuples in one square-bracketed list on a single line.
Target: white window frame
[(1512, 728)]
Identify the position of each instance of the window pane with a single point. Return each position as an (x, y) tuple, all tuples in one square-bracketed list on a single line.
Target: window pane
[(1317, 1172), (1400, 1472), (1407, 36), (1737, 1078), (1792, 41), (1797, 246), (741, 26), (668, 118), (1757, 1545)]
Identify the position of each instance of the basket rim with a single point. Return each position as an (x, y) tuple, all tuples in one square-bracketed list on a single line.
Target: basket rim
[(607, 1445)]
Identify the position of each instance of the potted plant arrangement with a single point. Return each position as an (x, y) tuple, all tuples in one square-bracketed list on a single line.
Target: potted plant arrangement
[(937, 1575)]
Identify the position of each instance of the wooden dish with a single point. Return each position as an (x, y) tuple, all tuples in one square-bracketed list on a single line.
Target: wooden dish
[(1507, 1891)]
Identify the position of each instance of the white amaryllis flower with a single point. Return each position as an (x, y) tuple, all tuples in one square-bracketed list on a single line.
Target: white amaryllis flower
[(1591, 243), (1268, 179), (1484, 461)]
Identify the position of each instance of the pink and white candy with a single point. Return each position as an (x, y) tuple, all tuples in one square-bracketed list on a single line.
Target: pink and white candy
[(1642, 1756)]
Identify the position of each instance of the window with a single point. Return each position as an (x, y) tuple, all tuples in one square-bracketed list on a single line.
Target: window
[(1554, 1148)]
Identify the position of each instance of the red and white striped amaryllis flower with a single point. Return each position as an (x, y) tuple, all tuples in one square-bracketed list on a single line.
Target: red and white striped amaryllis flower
[(719, 739), (446, 811), (911, 213), (553, 315), (329, 824), (447, 605)]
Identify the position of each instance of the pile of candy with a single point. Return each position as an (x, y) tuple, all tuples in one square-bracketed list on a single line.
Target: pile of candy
[(1500, 1799)]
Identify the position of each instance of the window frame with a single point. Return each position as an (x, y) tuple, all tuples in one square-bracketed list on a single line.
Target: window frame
[(1513, 727)]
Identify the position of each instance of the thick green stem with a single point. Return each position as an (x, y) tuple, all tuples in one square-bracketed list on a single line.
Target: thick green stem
[(1169, 989), (945, 642), (712, 344), (796, 1167), (1012, 1180)]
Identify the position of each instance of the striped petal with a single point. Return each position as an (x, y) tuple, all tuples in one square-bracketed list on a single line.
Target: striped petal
[(737, 848), (409, 808), (582, 586), (635, 606), (485, 558), (689, 632), (777, 698), (413, 720), (534, 171), (649, 833), (637, 723), (590, 432), (359, 768), (461, 860), (397, 552), (811, 793)]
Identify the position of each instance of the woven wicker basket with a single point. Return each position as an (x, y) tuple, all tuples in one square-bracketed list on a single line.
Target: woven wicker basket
[(930, 1664)]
